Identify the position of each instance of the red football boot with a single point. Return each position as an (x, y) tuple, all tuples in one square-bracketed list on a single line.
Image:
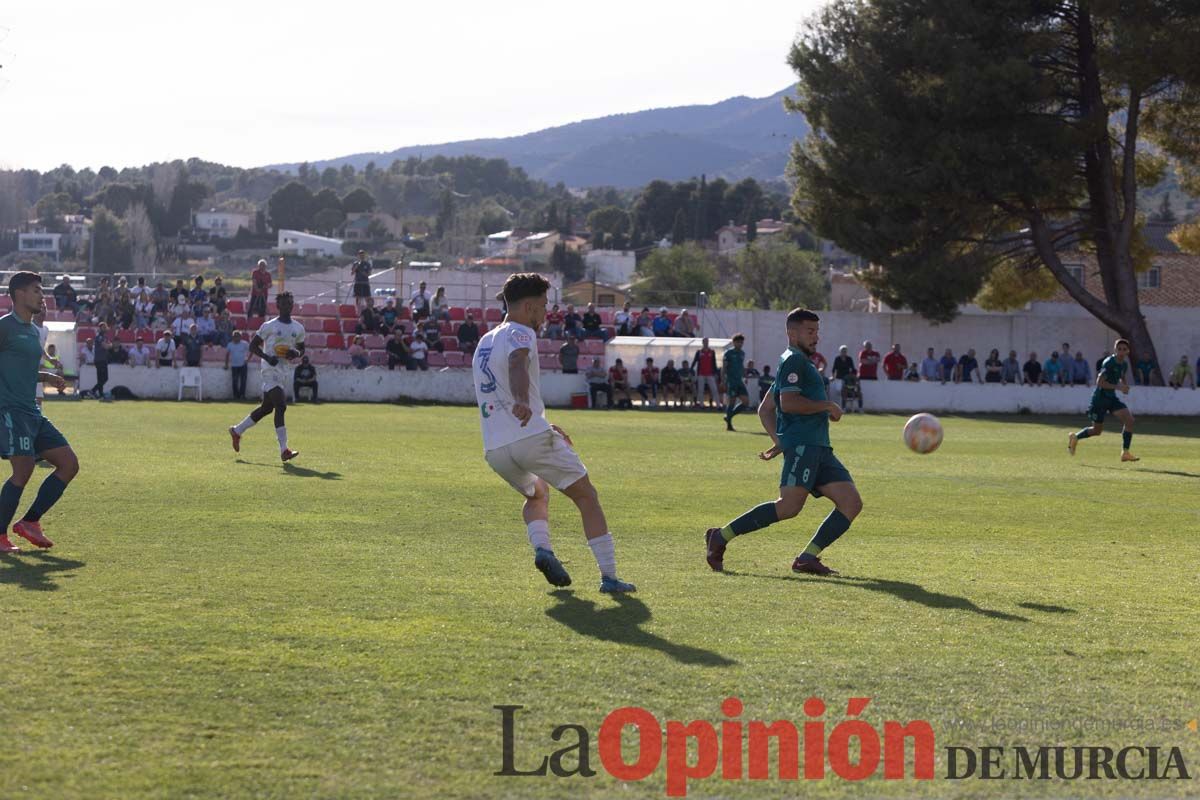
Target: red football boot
[(6, 546), (32, 532)]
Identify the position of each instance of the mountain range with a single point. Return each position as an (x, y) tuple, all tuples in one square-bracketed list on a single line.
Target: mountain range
[(736, 138)]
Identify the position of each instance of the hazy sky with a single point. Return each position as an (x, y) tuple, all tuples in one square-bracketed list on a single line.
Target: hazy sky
[(259, 81)]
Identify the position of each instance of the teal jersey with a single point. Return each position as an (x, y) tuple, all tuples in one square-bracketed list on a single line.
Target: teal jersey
[(1112, 371), (735, 365), (20, 355), (797, 374)]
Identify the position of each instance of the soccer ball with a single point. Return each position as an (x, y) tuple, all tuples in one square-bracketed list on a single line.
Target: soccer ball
[(923, 433)]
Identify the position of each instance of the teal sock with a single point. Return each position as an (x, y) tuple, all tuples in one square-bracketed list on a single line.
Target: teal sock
[(51, 489), (1126, 438), (755, 519), (10, 497), (1083, 434), (830, 531)]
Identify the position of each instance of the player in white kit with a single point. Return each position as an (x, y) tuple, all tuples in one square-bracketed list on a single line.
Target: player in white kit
[(522, 446), (278, 342)]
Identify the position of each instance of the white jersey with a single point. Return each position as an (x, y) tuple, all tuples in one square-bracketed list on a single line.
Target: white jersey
[(278, 338), (493, 393)]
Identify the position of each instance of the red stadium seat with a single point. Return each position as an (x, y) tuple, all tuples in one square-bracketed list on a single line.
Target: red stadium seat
[(548, 362), (272, 309), (239, 323), (456, 359), (320, 357), (347, 312), (606, 316), (339, 358), (125, 336), (475, 312), (547, 346), (405, 313), (312, 340), (457, 313), (308, 310), (377, 358), (349, 325), (444, 328), (373, 341), (436, 359), (331, 326), (450, 342), (236, 306), (592, 347), (493, 315), (83, 334), (327, 310), (50, 304), (335, 341), (214, 354)]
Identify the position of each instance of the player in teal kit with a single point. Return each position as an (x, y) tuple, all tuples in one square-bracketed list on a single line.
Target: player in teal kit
[(1105, 401), (734, 367), (24, 433), (796, 415)]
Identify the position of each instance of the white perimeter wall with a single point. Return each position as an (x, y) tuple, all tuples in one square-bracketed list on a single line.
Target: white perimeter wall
[(454, 386)]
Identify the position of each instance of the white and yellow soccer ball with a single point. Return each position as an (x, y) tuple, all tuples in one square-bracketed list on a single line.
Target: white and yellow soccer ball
[(923, 433)]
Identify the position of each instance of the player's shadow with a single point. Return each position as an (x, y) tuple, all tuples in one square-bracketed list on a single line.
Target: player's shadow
[(621, 624), (1047, 609), (36, 571), (296, 471), (909, 592), (1176, 473)]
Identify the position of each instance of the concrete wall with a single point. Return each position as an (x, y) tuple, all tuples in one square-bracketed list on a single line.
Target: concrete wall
[(377, 385)]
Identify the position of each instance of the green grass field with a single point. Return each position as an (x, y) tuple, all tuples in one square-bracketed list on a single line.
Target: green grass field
[(218, 626)]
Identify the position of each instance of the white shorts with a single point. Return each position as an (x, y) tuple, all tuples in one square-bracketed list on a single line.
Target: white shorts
[(544, 455), (274, 377)]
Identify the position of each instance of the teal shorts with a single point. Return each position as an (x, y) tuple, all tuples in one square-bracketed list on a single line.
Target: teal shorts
[(812, 466), (736, 389), (1102, 406), (26, 434)]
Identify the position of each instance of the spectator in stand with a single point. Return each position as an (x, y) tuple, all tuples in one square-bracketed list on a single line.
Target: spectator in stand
[(140, 354), (207, 327), (224, 329), (687, 382), (622, 320), (930, 369), (468, 334), (1052, 370), (100, 357), (1010, 371), (198, 296), (420, 353), (751, 375), (260, 287), (160, 299), (894, 364), (397, 351), (1143, 370), (87, 353), (117, 353), (645, 323), (1032, 370), (431, 332), (388, 316), (358, 353), (180, 307), (649, 384), (368, 322), (968, 368), (949, 366), (105, 310), (554, 323), (360, 274), (182, 324), (440, 305), (685, 325), (1181, 374), (597, 378), (164, 349), (193, 347), (420, 303), (868, 362), (619, 378), (568, 356), (845, 383), (1081, 373), (669, 379), (843, 364), (125, 311), (765, 382), (177, 292), (705, 365), (592, 328), (662, 325), (305, 377), (143, 312), (219, 296), (237, 354), (993, 367), (912, 372), (572, 323), (65, 297)]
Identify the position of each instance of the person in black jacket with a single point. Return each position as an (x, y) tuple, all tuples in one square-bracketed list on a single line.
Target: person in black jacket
[(305, 377)]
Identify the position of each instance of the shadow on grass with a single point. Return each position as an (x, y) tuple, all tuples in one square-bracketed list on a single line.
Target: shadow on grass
[(36, 570), (1176, 473), (620, 624), (910, 592), (1047, 609), (292, 469)]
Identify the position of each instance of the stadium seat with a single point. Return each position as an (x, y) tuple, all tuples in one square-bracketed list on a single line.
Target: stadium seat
[(339, 358), (349, 325), (50, 304), (272, 309), (610, 330), (346, 311), (327, 310), (493, 315), (125, 336), (405, 313), (377, 358), (592, 347), (547, 346), (331, 326), (213, 354), (436, 359), (456, 359), (335, 341), (320, 357), (457, 313), (373, 341), (606, 316), (314, 340), (236, 306), (548, 362), (450, 343), (239, 323), (308, 310), (83, 334)]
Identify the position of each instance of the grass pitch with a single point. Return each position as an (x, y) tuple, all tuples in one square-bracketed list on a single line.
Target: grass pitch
[(211, 625)]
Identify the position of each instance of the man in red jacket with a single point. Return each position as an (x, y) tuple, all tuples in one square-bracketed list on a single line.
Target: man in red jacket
[(868, 363), (894, 364), (705, 364)]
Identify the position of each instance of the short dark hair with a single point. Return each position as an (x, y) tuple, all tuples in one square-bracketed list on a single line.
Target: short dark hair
[(288, 295), (523, 285), (798, 315), (1118, 343), (737, 336), (22, 280)]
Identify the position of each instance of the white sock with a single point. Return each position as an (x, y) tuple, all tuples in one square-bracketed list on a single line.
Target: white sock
[(244, 426), (281, 435), (605, 553), (539, 534)]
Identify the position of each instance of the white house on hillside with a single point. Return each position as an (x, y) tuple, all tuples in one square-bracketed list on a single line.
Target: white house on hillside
[(308, 244), (222, 224), (732, 238)]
